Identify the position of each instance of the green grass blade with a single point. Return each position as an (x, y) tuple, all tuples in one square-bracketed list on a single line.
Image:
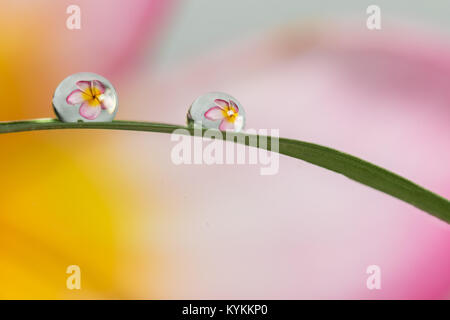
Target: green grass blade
[(348, 165)]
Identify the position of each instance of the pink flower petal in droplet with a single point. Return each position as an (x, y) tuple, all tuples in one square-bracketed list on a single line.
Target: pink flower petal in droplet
[(84, 86), (98, 85), (221, 103), (215, 113), (234, 105), (88, 112), (226, 125), (76, 97), (108, 103)]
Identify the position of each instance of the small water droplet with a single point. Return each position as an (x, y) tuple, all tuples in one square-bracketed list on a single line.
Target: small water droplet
[(217, 110), (85, 97)]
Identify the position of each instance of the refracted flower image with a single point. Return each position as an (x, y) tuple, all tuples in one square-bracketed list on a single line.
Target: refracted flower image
[(228, 112), (93, 97)]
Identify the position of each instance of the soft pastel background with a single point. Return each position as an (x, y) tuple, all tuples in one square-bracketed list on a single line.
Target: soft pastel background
[(141, 227)]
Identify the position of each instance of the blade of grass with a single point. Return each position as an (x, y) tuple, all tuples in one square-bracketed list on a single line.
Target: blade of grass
[(348, 165)]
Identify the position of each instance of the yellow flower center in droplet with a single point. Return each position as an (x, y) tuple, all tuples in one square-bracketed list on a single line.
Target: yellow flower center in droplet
[(92, 96), (230, 113)]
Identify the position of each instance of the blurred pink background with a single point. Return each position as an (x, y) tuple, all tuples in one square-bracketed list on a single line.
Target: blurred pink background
[(141, 227)]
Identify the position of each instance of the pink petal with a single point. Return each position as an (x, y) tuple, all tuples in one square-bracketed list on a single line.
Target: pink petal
[(215, 113), (221, 103), (234, 105), (98, 85), (226, 125), (76, 97), (89, 112), (108, 103), (84, 86)]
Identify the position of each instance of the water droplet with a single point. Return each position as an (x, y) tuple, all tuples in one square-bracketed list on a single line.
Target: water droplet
[(85, 97), (217, 110)]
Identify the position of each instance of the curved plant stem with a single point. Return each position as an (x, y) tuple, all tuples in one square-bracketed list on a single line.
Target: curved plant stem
[(348, 165)]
